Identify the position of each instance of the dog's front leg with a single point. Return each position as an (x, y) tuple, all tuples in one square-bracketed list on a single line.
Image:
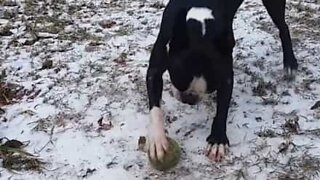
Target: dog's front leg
[(158, 64), (218, 142), (157, 141)]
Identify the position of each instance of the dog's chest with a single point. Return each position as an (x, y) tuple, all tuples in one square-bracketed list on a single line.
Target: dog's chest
[(198, 85)]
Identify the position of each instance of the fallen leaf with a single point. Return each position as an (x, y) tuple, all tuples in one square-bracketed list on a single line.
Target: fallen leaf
[(142, 143), (47, 64), (13, 144), (89, 172), (107, 23), (283, 147), (104, 126), (316, 105), (5, 31), (100, 121)]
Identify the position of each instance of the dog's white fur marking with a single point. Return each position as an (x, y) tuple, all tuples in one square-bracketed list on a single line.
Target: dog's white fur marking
[(198, 86), (200, 14), (157, 140), (168, 47)]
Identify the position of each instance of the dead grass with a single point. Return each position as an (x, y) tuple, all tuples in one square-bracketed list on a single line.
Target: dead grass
[(14, 157), (305, 16), (263, 87), (9, 93), (291, 124), (5, 31), (20, 162), (305, 166), (267, 133)]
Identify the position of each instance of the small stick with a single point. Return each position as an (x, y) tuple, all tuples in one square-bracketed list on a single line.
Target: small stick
[(50, 140)]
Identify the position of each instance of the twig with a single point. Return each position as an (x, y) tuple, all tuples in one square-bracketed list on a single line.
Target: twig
[(33, 122), (50, 140), (4, 138), (5, 98)]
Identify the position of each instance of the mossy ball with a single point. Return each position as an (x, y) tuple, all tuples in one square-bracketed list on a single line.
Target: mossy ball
[(170, 159)]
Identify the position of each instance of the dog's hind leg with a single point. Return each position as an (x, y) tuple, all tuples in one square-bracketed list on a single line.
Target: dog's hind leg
[(276, 10)]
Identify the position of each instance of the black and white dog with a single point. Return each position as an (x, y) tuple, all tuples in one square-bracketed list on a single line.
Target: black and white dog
[(195, 45)]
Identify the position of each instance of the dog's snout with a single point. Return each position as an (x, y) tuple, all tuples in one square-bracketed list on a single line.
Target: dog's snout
[(189, 98)]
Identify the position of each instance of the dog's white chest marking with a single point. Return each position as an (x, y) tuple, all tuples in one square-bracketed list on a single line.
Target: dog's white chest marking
[(200, 14), (198, 86)]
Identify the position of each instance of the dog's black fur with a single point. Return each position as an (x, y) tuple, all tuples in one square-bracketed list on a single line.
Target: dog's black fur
[(192, 55)]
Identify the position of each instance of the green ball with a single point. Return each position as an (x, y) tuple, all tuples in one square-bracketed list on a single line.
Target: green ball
[(170, 159)]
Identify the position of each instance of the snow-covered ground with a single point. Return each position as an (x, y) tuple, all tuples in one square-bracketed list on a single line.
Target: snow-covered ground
[(99, 51)]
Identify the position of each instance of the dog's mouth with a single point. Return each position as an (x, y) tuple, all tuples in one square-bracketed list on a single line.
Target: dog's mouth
[(189, 98), (186, 97)]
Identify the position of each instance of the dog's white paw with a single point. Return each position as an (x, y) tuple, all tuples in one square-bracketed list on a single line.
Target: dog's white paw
[(216, 152), (157, 140), (158, 145)]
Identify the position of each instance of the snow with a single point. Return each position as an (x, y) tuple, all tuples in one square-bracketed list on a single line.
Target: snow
[(84, 86)]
